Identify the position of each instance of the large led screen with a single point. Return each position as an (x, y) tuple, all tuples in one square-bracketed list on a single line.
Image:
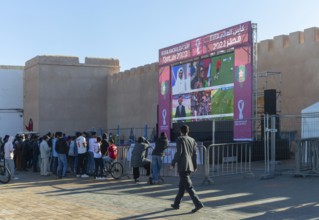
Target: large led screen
[(204, 89), (208, 78)]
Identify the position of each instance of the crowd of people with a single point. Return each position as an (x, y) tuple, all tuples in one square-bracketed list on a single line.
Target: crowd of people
[(82, 155), (56, 154)]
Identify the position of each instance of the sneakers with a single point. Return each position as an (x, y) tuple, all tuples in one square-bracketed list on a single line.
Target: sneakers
[(100, 178), (15, 178), (78, 175), (84, 176), (137, 180)]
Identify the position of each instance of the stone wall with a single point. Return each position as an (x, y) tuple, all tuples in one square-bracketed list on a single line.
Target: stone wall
[(296, 56), (62, 94), (132, 97)]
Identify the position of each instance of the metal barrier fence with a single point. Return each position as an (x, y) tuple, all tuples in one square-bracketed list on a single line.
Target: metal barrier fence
[(227, 159), (307, 157), (128, 136), (125, 152)]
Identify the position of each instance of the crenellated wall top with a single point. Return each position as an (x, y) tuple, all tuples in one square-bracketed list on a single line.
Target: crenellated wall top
[(135, 72), (308, 36), (8, 67), (71, 60)]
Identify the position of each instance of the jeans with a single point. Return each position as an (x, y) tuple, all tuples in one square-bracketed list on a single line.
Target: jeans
[(62, 165), (54, 164), (99, 166), (156, 166), (91, 163)]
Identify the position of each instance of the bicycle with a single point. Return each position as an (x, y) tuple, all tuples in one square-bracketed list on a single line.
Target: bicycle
[(5, 175), (113, 168)]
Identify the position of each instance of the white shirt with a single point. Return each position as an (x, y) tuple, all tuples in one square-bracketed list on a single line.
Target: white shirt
[(92, 141), (81, 144), (8, 149), (96, 150), (44, 149)]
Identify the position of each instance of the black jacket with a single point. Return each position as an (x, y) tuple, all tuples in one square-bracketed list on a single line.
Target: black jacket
[(160, 145)]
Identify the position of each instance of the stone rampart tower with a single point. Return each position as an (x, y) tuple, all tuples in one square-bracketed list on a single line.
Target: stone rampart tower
[(62, 94)]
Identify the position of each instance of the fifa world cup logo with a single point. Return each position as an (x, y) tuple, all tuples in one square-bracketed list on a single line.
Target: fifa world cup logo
[(164, 112), (241, 105)]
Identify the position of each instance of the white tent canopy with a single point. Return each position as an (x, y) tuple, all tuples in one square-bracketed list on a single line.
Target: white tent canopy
[(310, 121)]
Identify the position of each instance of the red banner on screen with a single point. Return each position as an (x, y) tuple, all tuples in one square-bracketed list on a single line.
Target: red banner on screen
[(234, 36)]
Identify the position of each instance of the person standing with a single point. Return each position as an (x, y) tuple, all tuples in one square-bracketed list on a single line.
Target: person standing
[(82, 155), (54, 155), (62, 149), (72, 154), (186, 158), (45, 156), (8, 156), (35, 152), (91, 163), (19, 153), (99, 165), (157, 156), (104, 144)]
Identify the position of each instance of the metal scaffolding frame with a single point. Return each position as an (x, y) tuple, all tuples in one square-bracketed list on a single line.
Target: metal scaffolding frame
[(255, 70), (258, 90), (260, 87)]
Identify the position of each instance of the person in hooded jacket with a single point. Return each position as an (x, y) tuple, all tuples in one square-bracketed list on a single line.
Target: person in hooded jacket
[(139, 158)]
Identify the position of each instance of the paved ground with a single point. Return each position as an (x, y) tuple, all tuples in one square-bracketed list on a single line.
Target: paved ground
[(235, 197)]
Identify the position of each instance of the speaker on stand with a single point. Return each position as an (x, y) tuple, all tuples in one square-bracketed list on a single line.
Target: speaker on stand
[(270, 107)]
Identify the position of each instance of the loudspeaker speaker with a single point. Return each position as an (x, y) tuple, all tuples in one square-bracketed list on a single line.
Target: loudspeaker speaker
[(270, 106)]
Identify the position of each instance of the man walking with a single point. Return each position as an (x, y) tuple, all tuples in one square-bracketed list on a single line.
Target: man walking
[(186, 158)]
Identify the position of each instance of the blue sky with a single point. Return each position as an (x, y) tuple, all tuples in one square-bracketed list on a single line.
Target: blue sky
[(134, 31)]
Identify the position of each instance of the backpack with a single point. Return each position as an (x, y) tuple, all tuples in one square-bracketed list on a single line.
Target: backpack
[(59, 148)]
